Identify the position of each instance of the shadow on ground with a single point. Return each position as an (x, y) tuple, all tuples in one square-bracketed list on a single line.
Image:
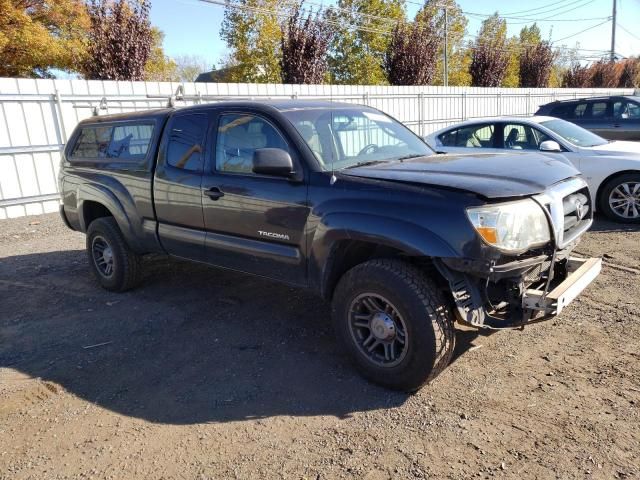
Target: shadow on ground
[(191, 345), (603, 224)]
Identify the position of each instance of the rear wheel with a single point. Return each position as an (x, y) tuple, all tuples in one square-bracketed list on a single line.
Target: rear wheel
[(114, 264), (620, 198), (394, 322)]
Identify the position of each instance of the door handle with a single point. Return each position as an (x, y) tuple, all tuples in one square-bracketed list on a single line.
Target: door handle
[(616, 125), (214, 193)]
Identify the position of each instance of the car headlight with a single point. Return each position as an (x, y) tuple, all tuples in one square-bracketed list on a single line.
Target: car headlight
[(513, 226)]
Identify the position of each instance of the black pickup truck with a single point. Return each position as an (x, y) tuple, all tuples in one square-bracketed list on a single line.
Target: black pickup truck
[(343, 200)]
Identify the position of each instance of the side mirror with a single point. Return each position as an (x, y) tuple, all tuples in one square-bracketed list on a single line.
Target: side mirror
[(550, 146), (272, 161)]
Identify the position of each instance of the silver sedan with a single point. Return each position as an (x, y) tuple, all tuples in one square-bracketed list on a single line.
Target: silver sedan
[(612, 168)]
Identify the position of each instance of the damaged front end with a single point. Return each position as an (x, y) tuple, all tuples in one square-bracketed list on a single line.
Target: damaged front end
[(511, 291)]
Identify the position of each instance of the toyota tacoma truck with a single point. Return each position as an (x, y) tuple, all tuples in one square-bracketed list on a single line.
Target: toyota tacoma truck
[(345, 201)]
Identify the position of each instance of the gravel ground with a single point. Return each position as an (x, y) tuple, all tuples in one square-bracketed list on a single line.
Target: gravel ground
[(201, 373)]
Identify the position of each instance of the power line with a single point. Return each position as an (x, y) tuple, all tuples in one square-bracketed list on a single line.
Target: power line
[(545, 12), (286, 15), (581, 31), (282, 13), (537, 8), (632, 34), (552, 18)]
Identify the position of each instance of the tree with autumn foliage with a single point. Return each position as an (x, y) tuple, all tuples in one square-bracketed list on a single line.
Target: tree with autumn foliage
[(536, 62), (576, 76), (39, 35), (603, 74), (410, 58), (305, 43), (120, 39), (432, 13), (490, 57), (630, 73)]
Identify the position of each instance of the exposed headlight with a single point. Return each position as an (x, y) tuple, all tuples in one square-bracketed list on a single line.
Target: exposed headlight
[(513, 227)]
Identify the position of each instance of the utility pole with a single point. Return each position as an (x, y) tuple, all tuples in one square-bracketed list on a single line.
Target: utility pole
[(613, 32), (446, 46)]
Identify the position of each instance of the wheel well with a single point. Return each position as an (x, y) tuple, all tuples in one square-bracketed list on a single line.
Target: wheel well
[(608, 179), (92, 210), (346, 254)]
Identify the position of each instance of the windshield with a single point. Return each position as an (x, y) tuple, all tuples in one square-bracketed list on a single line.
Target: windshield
[(574, 134), (347, 137)]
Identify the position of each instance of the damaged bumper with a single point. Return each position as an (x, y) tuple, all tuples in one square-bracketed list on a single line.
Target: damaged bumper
[(580, 273), (519, 293)]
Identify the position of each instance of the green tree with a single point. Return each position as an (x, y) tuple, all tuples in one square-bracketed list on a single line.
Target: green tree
[(363, 32), (490, 56), (159, 67), (38, 35), (432, 13), (530, 35), (511, 75), (251, 29)]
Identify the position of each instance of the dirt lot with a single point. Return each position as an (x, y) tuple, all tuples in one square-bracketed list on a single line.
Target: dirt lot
[(201, 373)]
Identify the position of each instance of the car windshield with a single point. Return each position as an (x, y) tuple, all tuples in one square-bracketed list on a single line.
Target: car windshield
[(574, 134), (348, 137)]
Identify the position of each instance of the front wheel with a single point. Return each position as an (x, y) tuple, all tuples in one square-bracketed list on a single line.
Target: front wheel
[(114, 264), (620, 198), (394, 322)]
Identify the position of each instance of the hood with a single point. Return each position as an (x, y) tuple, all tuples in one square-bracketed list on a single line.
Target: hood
[(498, 175), (616, 148)]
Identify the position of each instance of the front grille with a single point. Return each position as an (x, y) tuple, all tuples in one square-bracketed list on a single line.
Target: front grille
[(537, 272), (577, 211), (570, 208)]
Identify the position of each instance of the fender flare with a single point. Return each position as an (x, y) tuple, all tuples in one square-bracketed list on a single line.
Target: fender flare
[(409, 238), (121, 211)]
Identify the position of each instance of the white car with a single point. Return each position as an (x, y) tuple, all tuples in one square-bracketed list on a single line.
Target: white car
[(612, 168)]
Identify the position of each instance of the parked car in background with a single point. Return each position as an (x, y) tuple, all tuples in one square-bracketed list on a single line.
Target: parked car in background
[(614, 118), (340, 199), (611, 168)]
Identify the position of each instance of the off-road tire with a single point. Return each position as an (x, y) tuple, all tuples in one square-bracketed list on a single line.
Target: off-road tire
[(605, 192), (429, 322), (127, 265)]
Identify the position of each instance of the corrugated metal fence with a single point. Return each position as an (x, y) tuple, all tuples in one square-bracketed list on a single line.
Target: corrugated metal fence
[(37, 116)]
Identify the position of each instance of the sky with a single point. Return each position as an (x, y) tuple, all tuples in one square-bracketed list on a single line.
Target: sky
[(192, 27)]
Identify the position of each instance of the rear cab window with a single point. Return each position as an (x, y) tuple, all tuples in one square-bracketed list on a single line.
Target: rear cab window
[(129, 141)]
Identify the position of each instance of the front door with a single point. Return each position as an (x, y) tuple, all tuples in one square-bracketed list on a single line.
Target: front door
[(597, 118), (255, 223), (626, 120), (177, 185)]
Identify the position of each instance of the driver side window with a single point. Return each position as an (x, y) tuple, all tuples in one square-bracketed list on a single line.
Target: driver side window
[(239, 136)]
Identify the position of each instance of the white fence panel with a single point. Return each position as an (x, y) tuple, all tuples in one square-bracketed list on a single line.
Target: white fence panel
[(37, 117)]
